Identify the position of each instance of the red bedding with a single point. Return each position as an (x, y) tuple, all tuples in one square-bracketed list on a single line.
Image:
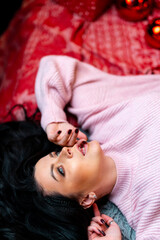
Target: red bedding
[(42, 27)]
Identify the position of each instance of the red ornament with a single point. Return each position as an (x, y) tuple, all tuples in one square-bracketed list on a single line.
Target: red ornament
[(153, 33), (157, 3), (134, 10)]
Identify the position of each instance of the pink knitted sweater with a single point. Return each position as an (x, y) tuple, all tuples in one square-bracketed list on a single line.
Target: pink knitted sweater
[(123, 114)]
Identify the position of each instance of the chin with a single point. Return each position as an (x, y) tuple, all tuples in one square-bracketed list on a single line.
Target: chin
[(95, 143), (96, 148), (96, 155)]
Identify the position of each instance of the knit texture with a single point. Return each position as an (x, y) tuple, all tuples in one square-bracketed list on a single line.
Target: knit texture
[(122, 113)]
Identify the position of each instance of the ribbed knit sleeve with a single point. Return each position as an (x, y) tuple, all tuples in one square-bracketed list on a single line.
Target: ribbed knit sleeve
[(57, 79), (62, 79), (52, 91)]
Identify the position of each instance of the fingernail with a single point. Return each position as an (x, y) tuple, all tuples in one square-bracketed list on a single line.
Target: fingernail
[(102, 221), (59, 132), (76, 130), (106, 225), (69, 131), (103, 233)]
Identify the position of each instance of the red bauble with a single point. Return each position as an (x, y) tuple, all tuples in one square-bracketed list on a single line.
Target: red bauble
[(157, 3), (134, 10), (153, 33)]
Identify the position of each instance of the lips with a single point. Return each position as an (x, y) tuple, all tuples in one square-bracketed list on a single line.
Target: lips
[(82, 147)]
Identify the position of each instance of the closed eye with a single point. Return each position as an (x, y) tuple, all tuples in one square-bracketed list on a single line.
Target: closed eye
[(61, 171)]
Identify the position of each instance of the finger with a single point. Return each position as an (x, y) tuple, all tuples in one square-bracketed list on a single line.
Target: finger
[(92, 235), (96, 210), (92, 229), (63, 141), (82, 135), (96, 224), (53, 137), (73, 138), (52, 128), (98, 230), (109, 220), (98, 220), (99, 225)]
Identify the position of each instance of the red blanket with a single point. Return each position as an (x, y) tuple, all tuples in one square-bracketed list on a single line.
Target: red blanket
[(42, 27)]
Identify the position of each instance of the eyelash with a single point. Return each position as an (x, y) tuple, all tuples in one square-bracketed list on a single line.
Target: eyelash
[(54, 153), (57, 153), (61, 171)]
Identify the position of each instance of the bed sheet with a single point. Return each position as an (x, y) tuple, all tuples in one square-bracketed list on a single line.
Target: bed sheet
[(42, 27)]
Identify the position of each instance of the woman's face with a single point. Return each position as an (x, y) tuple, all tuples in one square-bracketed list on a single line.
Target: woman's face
[(73, 171)]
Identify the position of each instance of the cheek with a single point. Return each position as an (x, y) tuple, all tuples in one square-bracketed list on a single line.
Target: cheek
[(95, 151), (84, 177), (78, 171), (78, 176), (96, 157)]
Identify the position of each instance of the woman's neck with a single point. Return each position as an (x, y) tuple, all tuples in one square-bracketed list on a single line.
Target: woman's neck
[(107, 179)]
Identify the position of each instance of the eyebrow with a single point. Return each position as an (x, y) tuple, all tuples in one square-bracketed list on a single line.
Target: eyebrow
[(52, 174)]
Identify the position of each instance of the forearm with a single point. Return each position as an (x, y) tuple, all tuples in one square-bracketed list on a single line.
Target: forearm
[(62, 79), (53, 88)]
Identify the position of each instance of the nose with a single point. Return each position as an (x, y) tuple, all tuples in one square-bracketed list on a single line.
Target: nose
[(67, 152)]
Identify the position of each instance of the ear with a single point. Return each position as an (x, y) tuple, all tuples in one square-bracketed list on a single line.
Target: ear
[(88, 200)]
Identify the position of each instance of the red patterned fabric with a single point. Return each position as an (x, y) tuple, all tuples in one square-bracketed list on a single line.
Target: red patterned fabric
[(119, 47), (88, 9), (42, 27)]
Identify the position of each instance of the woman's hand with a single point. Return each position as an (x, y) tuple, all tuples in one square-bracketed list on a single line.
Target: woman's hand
[(64, 134), (103, 227)]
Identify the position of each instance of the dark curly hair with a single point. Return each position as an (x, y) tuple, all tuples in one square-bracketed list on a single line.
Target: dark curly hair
[(25, 213)]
